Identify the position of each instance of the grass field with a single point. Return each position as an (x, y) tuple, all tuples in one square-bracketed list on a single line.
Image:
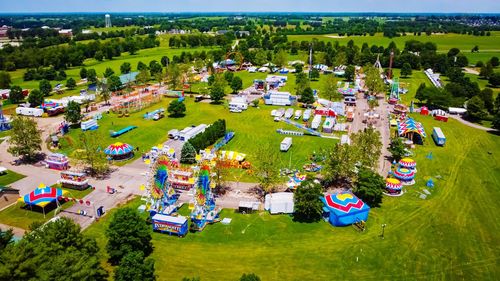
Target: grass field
[(9, 178), (253, 128), (452, 235), (17, 216)]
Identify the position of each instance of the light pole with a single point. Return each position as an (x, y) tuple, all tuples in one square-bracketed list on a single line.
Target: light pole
[(383, 228)]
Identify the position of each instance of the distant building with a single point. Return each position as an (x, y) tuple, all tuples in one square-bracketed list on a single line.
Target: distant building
[(66, 32), (87, 31), (107, 20), (3, 31), (222, 32), (242, 33)]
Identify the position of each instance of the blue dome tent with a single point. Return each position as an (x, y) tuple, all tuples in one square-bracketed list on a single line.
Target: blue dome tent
[(344, 208)]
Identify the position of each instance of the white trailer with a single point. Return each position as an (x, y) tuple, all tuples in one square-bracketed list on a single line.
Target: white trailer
[(316, 122), (279, 203), (307, 115), (28, 111), (286, 144), (289, 113), (298, 114)]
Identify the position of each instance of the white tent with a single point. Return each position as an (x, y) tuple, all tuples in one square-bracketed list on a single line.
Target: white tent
[(279, 203)]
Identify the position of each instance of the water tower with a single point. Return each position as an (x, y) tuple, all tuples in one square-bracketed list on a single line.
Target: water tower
[(107, 20)]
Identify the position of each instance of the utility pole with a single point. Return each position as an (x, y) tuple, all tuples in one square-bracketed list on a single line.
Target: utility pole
[(383, 228)]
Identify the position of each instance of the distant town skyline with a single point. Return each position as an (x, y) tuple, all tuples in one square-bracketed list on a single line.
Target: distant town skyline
[(333, 6)]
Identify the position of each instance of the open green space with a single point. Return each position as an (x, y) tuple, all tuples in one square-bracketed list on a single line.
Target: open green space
[(451, 235), (18, 216), (9, 178), (254, 128)]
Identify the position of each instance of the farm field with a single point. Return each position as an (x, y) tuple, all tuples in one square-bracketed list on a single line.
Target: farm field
[(450, 235)]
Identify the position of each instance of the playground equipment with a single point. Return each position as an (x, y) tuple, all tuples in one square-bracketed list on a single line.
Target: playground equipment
[(75, 180), (4, 122), (302, 127), (57, 161), (137, 99), (160, 196), (394, 95), (393, 187), (344, 208), (203, 209), (114, 134)]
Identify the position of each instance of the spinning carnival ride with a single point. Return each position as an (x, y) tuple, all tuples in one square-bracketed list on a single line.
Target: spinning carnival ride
[(203, 209), (161, 197)]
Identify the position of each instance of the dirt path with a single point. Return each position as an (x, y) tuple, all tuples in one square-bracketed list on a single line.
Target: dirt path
[(470, 124), (18, 232)]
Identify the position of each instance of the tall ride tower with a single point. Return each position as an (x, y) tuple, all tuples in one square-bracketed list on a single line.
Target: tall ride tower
[(107, 20)]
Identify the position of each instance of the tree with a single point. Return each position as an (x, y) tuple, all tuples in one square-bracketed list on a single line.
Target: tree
[(420, 93), (397, 149), (73, 113), (114, 83), (6, 238), (486, 95), (249, 277), (5, 80), (176, 108), (301, 83), (307, 96), (369, 145), (155, 68), (236, 84), (406, 70), (25, 138), (143, 77), (228, 76), (370, 187), (133, 267), (340, 59), (266, 170), (495, 61), (476, 109), (105, 93), (496, 121), (90, 154), (373, 81), (108, 72), (298, 68), (125, 68), (314, 74), (45, 87), (340, 165), (350, 71), (174, 74), (188, 154), (281, 58), (217, 92), (127, 232), (141, 66), (307, 204), (35, 98), (494, 79), (16, 94), (486, 71), (83, 73), (56, 251), (71, 83), (91, 76), (330, 88), (99, 56), (165, 61)]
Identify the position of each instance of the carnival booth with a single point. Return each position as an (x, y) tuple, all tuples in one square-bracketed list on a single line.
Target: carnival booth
[(42, 196), (57, 161), (119, 151), (170, 224), (412, 130), (393, 187), (406, 176), (408, 163), (344, 208), (74, 180)]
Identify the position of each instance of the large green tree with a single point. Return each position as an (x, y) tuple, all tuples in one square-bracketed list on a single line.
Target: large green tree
[(71, 83), (73, 114), (476, 109), (266, 170), (45, 87), (397, 149), (25, 138), (406, 70), (6, 238), (125, 68), (176, 108), (16, 94), (5, 80), (217, 91), (56, 251), (236, 84), (341, 165), (108, 72), (370, 187), (301, 83), (494, 79), (35, 98), (174, 76), (281, 58), (307, 204), (330, 88), (350, 72), (127, 232), (90, 154), (114, 83), (373, 82), (369, 144), (307, 96), (134, 266), (188, 153)]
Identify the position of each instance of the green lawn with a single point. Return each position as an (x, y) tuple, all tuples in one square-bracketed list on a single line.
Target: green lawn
[(254, 127), (452, 235), (17, 216), (9, 178)]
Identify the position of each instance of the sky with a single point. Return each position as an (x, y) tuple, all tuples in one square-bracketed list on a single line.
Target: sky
[(389, 6)]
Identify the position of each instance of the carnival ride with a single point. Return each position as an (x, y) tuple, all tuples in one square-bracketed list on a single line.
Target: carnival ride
[(160, 196), (4, 122), (203, 208)]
